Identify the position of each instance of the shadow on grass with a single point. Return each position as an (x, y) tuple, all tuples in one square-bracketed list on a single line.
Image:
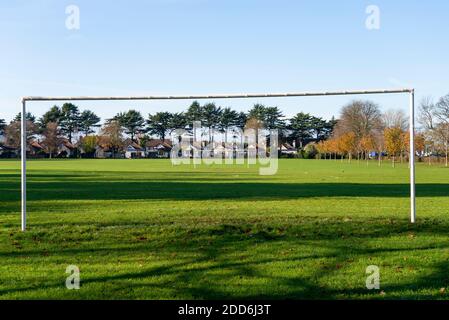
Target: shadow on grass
[(162, 190), (204, 263), (196, 261)]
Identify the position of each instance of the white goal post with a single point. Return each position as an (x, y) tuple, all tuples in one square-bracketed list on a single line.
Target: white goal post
[(411, 93)]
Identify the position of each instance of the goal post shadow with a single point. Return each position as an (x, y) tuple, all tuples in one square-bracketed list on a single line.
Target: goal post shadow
[(409, 91)]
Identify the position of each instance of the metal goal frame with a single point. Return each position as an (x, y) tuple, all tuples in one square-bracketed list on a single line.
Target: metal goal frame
[(410, 92)]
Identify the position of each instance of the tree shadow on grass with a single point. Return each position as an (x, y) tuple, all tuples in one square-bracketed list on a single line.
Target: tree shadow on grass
[(203, 263), (160, 190)]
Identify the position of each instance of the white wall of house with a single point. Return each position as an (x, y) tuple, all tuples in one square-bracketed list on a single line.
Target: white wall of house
[(134, 154), (63, 149)]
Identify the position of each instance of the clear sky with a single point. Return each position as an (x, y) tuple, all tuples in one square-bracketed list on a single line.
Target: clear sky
[(220, 46)]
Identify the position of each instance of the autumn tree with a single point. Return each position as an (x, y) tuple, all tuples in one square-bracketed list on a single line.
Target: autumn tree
[(442, 129), (89, 144), (395, 118), (111, 136), (13, 133), (420, 143), (348, 144), (52, 138), (367, 144), (441, 135), (256, 125), (322, 149), (359, 117), (326, 147), (333, 147), (394, 141), (426, 116), (379, 142), (339, 147), (358, 120), (434, 118)]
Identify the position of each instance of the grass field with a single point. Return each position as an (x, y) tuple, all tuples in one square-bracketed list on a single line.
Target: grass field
[(143, 229)]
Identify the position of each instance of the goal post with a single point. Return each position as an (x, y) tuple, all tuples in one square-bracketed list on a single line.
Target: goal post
[(410, 92)]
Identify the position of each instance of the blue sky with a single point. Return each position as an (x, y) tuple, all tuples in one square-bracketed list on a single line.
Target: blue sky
[(205, 46)]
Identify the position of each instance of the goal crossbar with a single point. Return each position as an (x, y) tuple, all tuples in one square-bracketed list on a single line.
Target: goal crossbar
[(223, 96), (409, 91)]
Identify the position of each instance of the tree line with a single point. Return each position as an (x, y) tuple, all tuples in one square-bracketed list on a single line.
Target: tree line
[(434, 119), (360, 131), (68, 122), (363, 130)]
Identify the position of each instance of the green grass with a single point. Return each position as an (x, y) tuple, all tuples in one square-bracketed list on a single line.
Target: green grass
[(143, 229)]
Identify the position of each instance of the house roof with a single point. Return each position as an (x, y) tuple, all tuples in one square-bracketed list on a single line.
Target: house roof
[(8, 148), (287, 146), (103, 147), (190, 147), (157, 143), (129, 143), (66, 143), (36, 144)]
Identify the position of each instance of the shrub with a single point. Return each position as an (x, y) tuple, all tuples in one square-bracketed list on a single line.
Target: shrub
[(310, 151)]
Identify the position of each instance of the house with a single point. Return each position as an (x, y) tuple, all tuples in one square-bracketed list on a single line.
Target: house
[(133, 150), (288, 149), (36, 150), (157, 148), (187, 146), (220, 151), (8, 152), (66, 149), (103, 152), (189, 151)]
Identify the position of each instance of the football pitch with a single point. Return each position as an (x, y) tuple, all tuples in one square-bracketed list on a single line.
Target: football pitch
[(145, 229)]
